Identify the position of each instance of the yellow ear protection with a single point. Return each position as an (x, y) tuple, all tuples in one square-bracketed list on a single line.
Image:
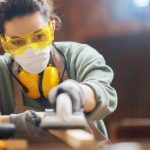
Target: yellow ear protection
[(39, 85)]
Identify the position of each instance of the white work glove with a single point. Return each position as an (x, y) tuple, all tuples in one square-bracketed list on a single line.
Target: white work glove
[(73, 89), (27, 126)]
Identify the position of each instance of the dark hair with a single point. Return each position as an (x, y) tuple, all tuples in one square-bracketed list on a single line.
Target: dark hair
[(14, 8)]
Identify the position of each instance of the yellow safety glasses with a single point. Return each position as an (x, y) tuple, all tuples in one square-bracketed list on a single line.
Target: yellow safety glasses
[(37, 40)]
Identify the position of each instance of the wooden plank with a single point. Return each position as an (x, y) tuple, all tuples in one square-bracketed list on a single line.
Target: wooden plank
[(76, 138), (4, 119), (13, 145)]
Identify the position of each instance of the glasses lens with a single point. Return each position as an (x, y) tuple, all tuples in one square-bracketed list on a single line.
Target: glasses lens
[(15, 44), (42, 39), (39, 37)]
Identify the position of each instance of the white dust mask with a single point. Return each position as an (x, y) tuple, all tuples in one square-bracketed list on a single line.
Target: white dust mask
[(34, 61)]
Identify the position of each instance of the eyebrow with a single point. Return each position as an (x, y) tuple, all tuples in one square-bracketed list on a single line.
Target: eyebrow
[(15, 37)]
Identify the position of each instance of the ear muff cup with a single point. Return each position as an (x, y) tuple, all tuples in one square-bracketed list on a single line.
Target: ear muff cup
[(49, 79)]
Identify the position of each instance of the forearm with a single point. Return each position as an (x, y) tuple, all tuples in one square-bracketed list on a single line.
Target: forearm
[(89, 98)]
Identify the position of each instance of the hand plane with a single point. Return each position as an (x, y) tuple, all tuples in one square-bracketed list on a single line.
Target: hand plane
[(63, 117)]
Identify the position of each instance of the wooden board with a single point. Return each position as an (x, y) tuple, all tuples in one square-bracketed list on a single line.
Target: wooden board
[(75, 138), (13, 145)]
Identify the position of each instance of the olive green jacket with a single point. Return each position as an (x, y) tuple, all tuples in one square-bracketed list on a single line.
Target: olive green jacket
[(84, 64)]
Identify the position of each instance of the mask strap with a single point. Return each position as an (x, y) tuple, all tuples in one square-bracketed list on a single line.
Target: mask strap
[(59, 62)]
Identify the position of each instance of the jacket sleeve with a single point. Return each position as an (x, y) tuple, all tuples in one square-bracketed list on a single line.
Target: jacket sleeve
[(91, 70), (6, 90)]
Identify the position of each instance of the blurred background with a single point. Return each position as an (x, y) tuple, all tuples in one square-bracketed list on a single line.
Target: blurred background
[(120, 31)]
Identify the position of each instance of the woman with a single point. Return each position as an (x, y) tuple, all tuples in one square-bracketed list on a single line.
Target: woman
[(27, 30)]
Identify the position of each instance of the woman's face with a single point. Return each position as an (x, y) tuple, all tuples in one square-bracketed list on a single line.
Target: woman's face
[(19, 26)]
